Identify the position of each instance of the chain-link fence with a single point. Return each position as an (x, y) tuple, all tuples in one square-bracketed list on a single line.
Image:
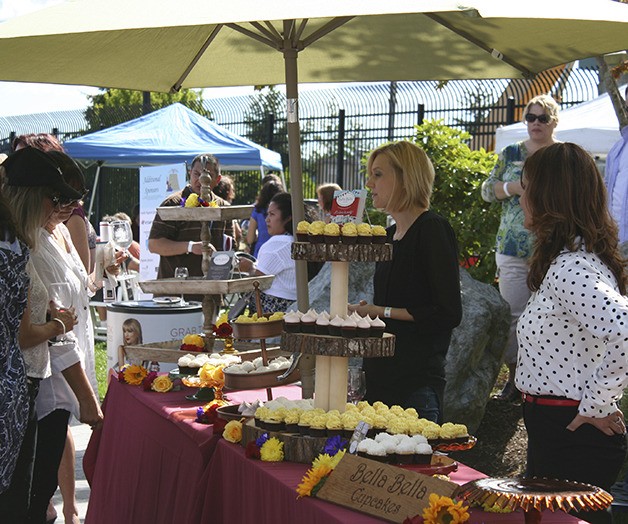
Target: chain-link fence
[(338, 125)]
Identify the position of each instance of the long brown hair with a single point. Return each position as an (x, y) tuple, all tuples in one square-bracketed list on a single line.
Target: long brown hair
[(567, 200)]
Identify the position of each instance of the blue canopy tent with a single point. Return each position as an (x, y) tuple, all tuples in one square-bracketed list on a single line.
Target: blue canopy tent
[(174, 134)]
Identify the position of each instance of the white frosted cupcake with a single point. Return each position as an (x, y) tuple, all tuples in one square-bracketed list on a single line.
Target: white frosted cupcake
[(364, 328), (322, 325), (349, 328), (335, 326), (377, 327)]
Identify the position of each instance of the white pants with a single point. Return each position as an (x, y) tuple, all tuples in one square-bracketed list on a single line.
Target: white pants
[(513, 272)]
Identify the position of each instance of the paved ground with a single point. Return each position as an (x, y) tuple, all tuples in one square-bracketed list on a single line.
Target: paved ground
[(82, 434)]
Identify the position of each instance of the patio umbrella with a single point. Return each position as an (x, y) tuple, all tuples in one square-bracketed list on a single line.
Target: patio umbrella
[(159, 45)]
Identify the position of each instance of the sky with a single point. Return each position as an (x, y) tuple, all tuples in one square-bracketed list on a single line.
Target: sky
[(21, 98)]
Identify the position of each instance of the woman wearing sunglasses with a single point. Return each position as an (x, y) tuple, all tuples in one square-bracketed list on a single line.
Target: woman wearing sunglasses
[(514, 243)]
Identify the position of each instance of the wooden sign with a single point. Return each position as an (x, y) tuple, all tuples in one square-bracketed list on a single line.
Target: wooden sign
[(388, 492)]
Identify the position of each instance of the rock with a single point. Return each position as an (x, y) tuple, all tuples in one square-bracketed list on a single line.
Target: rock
[(360, 285), (475, 352)]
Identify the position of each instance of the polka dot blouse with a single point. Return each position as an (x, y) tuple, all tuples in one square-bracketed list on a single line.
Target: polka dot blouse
[(573, 335)]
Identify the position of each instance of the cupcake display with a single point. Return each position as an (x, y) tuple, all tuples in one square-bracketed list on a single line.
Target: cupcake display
[(302, 231), (348, 233), (322, 324)]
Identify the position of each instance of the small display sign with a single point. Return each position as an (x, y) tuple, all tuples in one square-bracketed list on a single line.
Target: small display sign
[(220, 265)]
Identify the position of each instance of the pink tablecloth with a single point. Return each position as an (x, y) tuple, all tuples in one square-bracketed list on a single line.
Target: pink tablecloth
[(244, 490), (145, 464)]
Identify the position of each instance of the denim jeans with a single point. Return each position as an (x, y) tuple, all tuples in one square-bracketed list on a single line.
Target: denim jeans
[(425, 401)]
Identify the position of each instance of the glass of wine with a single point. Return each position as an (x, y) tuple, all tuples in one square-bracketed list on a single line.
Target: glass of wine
[(356, 385), (122, 238), (182, 273), (61, 294)]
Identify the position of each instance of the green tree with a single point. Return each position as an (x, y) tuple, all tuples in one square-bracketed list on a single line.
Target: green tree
[(460, 172), (114, 106)]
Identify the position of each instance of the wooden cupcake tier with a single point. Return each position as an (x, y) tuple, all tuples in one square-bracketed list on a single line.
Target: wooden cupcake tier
[(204, 214), (170, 352), (341, 252), (202, 286), (535, 494), (338, 346), (235, 381)]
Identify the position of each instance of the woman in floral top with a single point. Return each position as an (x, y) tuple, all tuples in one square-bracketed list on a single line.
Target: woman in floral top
[(513, 239)]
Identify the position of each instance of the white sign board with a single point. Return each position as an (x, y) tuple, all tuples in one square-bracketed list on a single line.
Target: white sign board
[(156, 184)]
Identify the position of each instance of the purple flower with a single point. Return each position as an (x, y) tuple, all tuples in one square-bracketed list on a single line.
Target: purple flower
[(200, 415), (334, 445), (261, 440)]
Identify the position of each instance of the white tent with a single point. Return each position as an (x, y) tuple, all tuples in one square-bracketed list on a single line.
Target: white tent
[(592, 125)]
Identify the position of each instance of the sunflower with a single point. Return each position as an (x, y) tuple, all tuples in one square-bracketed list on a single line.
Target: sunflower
[(443, 510), (135, 374), (312, 479)]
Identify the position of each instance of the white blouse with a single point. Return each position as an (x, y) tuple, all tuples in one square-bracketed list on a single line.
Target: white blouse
[(573, 335), (54, 264), (37, 358), (275, 258)]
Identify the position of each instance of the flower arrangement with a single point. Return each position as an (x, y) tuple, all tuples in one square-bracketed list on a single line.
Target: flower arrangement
[(233, 431), (441, 510), (208, 414), (193, 343), (196, 201), (265, 448), (136, 375), (322, 466), (222, 328)]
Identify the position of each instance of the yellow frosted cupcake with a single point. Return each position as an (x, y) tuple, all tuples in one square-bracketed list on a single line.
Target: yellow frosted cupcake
[(331, 232), (365, 236), (379, 235), (302, 231), (315, 232), (349, 233)]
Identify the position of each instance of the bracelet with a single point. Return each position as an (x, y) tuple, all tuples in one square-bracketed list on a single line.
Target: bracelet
[(505, 188), (60, 322), (190, 246), (387, 311)]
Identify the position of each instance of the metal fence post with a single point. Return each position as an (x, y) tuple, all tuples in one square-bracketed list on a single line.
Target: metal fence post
[(270, 136), (340, 163), (392, 110), (510, 110), (420, 114)]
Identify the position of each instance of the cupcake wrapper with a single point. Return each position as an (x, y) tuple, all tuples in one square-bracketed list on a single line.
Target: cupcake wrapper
[(364, 240), (321, 330), (349, 240), (377, 239), (302, 237)]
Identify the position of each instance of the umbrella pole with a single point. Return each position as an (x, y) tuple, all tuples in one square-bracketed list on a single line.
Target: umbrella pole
[(306, 364)]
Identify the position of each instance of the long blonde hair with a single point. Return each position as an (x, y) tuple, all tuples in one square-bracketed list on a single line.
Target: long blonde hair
[(27, 204)]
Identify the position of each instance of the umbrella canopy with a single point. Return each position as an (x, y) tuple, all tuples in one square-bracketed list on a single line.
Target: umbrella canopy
[(161, 45), (167, 136), (158, 45)]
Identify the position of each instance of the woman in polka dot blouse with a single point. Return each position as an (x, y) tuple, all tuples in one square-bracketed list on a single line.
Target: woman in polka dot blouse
[(573, 335)]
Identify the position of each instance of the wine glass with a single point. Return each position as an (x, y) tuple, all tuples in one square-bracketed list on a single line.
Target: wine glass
[(356, 385), (122, 238), (182, 273), (61, 294)]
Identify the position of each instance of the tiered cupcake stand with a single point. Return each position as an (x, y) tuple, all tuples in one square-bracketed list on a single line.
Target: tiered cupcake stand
[(332, 353)]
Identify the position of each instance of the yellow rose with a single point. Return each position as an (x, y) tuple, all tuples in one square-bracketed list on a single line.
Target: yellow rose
[(233, 431), (218, 375), (192, 200), (206, 372), (194, 340), (161, 384)]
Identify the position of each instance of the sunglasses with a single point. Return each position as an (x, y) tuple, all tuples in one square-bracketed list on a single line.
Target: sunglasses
[(544, 119), (59, 201)]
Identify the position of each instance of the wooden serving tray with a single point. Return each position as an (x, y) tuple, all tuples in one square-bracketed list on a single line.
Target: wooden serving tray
[(204, 214), (341, 252), (259, 380), (248, 330), (170, 352), (338, 346), (202, 286)]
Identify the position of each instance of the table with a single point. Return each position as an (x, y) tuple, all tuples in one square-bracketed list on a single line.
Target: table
[(147, 461), (151, 463), (270, 496)]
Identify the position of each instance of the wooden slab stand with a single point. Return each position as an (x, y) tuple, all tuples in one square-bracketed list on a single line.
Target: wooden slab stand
[(341, 252), (202, 286), (204, 214), (338, 346)]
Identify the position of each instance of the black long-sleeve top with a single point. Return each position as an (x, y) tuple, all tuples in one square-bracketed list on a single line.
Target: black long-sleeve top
[(423, 277)]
